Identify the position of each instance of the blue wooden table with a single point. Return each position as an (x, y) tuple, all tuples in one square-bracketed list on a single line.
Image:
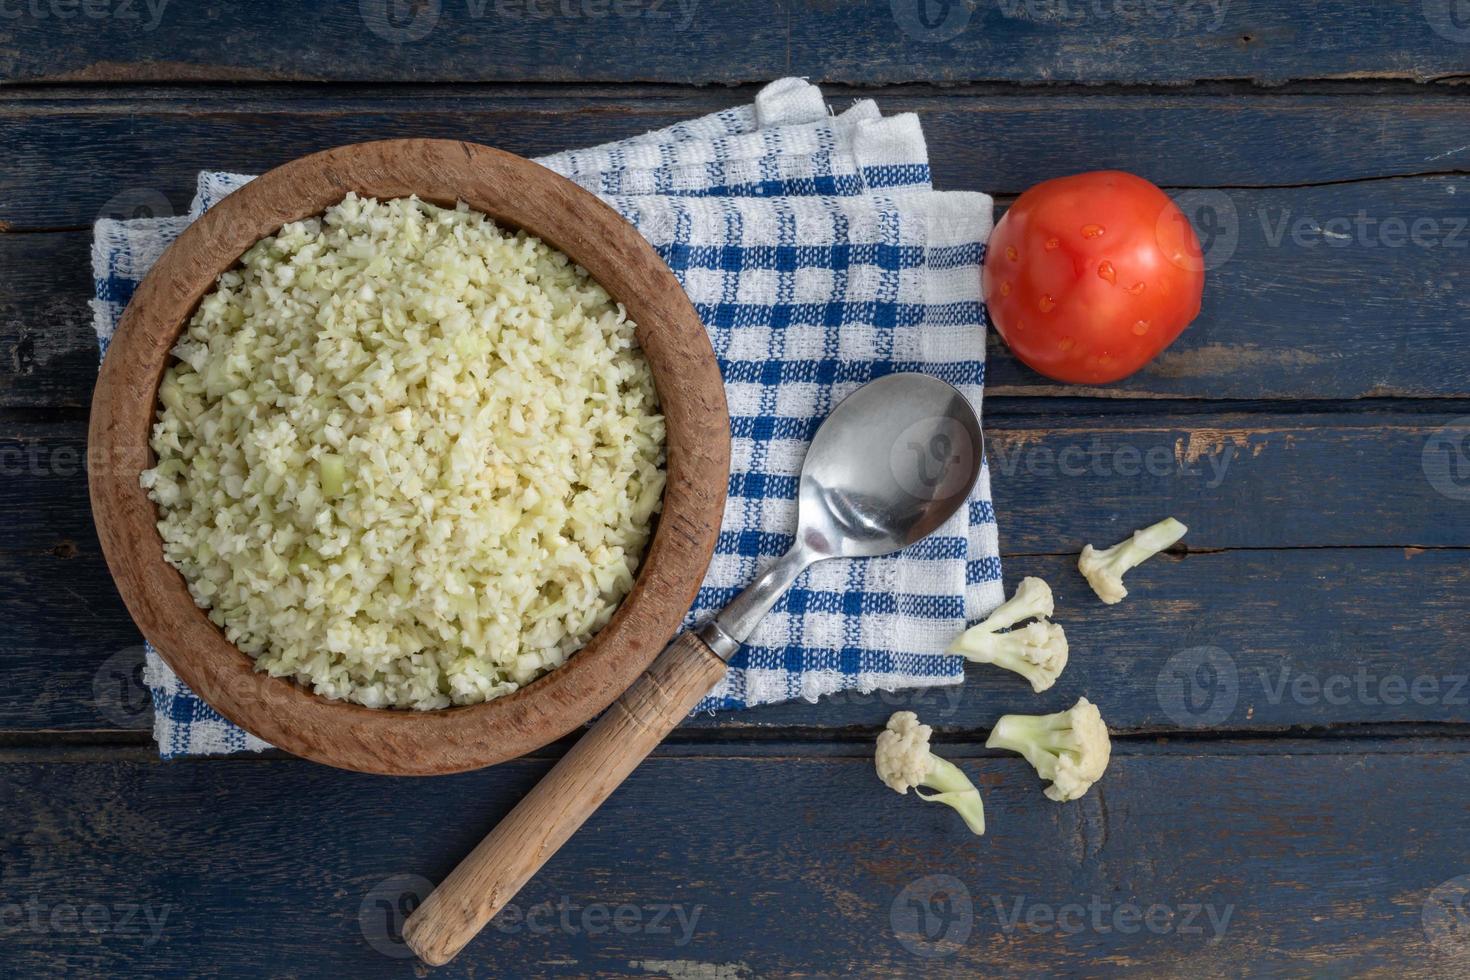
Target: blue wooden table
[(1290, 790)]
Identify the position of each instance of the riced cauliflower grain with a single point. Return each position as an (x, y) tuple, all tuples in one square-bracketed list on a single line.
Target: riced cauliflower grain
[(406, 457)]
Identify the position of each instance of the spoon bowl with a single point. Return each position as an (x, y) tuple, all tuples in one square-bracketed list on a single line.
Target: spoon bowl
[(893, 462)]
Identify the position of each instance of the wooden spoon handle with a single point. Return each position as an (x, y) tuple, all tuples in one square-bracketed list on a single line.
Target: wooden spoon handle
[(507, 858)]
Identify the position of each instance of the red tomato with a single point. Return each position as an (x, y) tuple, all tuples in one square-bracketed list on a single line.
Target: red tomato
[(1088, 277)]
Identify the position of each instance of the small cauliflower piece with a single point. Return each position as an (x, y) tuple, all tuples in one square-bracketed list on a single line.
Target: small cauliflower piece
[(1071, 748), (1037, 652), (333, 474), (1104, 569), (903, 760), (1032, 601)]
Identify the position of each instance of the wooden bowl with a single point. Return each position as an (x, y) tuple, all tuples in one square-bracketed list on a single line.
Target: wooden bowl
[(515, 193)]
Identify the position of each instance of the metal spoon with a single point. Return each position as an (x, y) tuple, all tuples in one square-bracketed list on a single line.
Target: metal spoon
[(892, 462)]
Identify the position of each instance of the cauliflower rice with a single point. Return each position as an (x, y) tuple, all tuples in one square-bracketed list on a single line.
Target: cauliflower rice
[(406, 457)]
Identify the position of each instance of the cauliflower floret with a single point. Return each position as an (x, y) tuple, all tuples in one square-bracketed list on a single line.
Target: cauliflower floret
[(1037, 652), (1032, 601), (1104, 569), (903, 760), (1071, 748)]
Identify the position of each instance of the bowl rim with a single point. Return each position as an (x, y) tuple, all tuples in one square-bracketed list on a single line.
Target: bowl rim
[(514, 192)]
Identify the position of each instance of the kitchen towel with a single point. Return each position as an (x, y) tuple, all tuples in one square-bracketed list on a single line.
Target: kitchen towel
[(818, 257)]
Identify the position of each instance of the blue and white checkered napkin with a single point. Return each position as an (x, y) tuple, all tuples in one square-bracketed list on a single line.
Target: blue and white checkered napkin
[(819, 257)]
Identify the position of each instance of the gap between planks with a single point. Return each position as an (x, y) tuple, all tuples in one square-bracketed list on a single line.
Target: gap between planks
[(812, 744)]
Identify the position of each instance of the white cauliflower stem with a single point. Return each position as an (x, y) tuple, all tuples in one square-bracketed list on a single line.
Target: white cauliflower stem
[(1104, 569), (1071, 748), (1037, 652), (903, 760), (1032, 601)]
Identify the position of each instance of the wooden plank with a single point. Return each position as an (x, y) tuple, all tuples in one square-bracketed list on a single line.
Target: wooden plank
[(48, 351), (1253, 864), (107, 151), (1246, 641), (1238, 480), (1292, 310), (683, 40), (1217, 643), (1327, 511)]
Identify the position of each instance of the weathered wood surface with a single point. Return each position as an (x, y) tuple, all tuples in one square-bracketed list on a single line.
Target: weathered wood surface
[(997, 140), (1308, 431), (1309, 858), (493, 874), (1330, 291), (862, 41), (1319, 639), (1292, 313), (1320, 553), (1239, 480)]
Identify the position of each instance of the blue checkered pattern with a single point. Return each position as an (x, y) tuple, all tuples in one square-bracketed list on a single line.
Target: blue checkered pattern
[(806, 299), (819, 258)]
